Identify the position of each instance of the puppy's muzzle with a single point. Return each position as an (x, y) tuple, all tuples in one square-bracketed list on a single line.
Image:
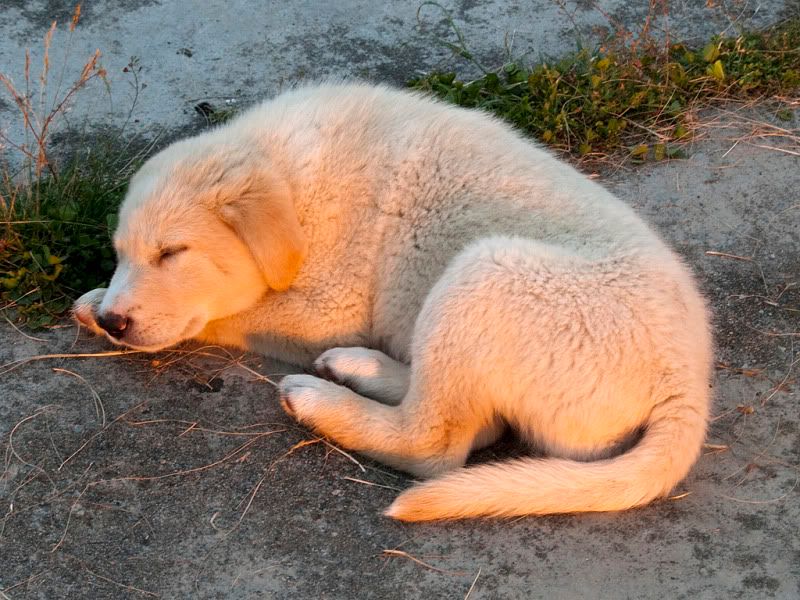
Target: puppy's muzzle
[(113, 324)]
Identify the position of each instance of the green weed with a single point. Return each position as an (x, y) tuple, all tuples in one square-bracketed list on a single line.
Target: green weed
[(634, 97), (55, 219), (55, 242)]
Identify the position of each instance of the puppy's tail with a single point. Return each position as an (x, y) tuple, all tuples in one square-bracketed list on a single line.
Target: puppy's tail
[(667, 450)]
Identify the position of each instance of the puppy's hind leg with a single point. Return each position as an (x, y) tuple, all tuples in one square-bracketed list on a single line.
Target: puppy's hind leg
[(415, 436), (369, 372)]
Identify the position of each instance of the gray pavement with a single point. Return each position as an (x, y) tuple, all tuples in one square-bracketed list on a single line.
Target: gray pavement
[(178, 475), (236, 51)]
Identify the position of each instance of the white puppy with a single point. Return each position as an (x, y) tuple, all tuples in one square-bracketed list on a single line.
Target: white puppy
[(449, 277)]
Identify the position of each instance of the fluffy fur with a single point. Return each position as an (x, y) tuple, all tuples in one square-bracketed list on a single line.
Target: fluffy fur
[(450, 278)]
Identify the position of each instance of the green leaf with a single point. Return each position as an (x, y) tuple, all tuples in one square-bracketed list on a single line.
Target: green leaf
[(637, 98), (716, 71), (9, 283), (680, 132), (710, 52), (54, 275), (673, 152)]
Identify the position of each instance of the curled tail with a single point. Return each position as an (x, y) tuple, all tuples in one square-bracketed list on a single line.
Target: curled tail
[(670, 445)]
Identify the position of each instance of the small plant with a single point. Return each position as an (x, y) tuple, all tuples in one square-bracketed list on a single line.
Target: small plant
[(55, 219), (214, 115), (37, 117), (635, 94), (56, 239)]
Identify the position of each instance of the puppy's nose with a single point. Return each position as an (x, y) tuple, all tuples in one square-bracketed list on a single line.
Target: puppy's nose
[(113, 324)]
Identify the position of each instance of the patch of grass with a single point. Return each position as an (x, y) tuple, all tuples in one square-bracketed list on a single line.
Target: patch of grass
[(634, 94), (56, 219), (214, 115), (56, 236)]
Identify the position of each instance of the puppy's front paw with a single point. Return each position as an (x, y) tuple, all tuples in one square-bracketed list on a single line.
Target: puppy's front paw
[(85, 309), (302, 396), (346, 365)]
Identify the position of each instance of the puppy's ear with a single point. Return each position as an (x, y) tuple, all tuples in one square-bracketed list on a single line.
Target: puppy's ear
[(262, 214)]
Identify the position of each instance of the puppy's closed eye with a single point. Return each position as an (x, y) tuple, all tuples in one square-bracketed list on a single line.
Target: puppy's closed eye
[(170, 252)]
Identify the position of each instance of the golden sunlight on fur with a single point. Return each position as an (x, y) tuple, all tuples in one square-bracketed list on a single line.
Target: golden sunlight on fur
[(445, 278)]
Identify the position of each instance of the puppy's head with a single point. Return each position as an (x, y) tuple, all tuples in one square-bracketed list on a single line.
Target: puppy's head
[(200, 237)]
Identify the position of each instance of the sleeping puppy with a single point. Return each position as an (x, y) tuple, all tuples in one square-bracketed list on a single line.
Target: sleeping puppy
[(446, 278)]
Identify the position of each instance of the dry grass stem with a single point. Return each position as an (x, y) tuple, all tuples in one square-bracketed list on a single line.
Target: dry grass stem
[(179, 356), (100, 410), (403, 554), (679, 496), (99, 433), (474, 581), (343, 453), (782, 386), (36, 118), (11, 451), (181, 473), (727, 255), (250, 497), (15, 364), (124, 586), (775, 148), (22, 333), (373, 484), (27, 581), (749, 259), (193, 426), (297, 446), (717, 448), (759, 502), (757, 457)]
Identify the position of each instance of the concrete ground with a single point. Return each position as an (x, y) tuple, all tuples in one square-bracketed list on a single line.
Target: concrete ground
[(178, 476)]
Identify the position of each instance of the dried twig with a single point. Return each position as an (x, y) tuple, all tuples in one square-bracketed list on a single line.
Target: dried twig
[(782, 385), (679, 496), (11, 451), (27, 581), (99, 433), (758, 502), (124, 586), (99, 409), (474, 581), (403, 554), (775, 148), (22, 333), (193, 426), (343, 453), (727, 255), (180, 473), (373, 484), (15, 364)]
